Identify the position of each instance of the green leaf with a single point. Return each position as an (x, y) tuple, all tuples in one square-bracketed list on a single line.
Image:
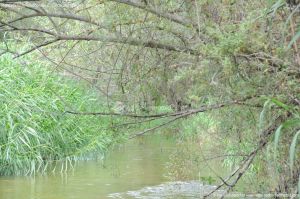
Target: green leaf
[(292, 150), (288, 20), (289, 123), (280, 104), (262, 114), (276, 6), (294, 39), (299, 187), (277, 135)]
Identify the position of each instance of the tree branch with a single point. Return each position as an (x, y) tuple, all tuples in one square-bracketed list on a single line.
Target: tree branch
[(55, 15), (240, 171), (171, 17), (37, 47), (131, 41), (13, 1)]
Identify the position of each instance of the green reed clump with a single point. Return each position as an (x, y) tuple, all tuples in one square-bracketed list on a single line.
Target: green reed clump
[(34, 130)]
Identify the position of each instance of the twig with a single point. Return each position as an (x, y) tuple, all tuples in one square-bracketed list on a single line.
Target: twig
[(156, 127), (37, 47)]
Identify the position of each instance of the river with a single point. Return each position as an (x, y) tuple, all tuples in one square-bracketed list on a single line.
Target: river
[(136, 169)]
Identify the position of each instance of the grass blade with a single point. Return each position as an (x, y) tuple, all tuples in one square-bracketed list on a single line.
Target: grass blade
[(292, 150)]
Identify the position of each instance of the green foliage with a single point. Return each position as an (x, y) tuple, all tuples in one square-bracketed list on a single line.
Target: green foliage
[(286, 125), (197, 125), (292, 150), (209, 180), (294, 39), (35, 131), (262, 115), (299, 186), (192, 141), (238, 49)]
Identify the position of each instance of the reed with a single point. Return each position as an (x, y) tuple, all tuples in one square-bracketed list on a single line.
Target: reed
[(34, 131)]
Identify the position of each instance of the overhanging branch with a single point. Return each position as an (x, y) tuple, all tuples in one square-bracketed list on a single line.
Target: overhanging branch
[(131, 41), (111, 39), (157, 12)]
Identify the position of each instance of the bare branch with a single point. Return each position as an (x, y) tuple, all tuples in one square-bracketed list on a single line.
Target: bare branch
[(37, 47), (13, 1), (131, 41), (14, 28), (160, 13), (172, 114), (55, 15)]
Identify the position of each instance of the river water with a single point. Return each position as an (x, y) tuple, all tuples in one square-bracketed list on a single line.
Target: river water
[(136, 169)]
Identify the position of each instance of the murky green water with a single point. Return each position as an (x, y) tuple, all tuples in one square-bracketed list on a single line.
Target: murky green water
[(137, 164), (134, 170)]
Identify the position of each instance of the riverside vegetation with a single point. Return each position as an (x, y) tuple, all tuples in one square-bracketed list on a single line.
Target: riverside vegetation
[(77, 77), (34, 131)]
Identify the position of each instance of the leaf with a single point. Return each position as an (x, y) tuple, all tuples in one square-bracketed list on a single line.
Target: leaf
[(286, 124), (280, 104), (299, 187), (277, 135), (262, 114), (276, 6), (288, 20), (292, 150), (294, 39)]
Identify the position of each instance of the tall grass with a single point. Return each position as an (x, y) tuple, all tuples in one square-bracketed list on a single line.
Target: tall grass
[(34, 131)]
